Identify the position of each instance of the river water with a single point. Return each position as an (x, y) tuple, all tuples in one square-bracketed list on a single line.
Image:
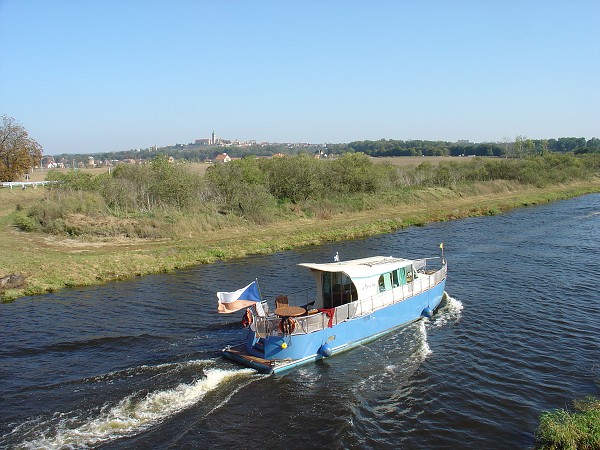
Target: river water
[(136, 364)]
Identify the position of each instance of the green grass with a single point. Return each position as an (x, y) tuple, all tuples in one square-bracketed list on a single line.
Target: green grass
[(571, 430)]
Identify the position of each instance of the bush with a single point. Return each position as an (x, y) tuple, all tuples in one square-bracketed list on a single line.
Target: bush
[(295, 178), (160, 184), (49, 215), (73, 180), (356, 172), (239, 187), (26, 223)]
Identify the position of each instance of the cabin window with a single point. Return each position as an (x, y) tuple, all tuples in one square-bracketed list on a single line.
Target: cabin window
[(391, 280), (385, 282), (381, 284), (387, 278), (402, 276), (338, 289)]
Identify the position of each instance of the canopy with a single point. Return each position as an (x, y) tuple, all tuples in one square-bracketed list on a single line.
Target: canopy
[(362, 268)]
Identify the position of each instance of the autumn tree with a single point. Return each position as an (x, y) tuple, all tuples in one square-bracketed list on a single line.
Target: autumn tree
[(18, 152)]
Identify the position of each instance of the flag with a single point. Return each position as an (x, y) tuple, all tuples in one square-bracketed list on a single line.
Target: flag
[(442, 246), (242, 298)]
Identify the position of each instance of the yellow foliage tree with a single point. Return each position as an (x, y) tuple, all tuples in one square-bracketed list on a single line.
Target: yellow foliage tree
[(18, 152)]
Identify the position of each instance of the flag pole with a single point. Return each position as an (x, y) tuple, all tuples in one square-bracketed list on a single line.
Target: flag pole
[(258, 287)]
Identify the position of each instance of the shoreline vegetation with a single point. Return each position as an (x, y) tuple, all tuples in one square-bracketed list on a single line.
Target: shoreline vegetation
[(140, 220), (576, 429)]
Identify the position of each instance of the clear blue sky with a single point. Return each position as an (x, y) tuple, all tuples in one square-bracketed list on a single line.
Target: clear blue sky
[(110, 75)]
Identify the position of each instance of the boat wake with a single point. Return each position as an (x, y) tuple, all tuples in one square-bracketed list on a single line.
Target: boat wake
[(129, 416), (449, 312)]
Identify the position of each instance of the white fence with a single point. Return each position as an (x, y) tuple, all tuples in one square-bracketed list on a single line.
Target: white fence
[(25, 184)]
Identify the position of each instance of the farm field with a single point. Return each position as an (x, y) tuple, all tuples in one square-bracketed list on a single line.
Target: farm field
[(200, 168)]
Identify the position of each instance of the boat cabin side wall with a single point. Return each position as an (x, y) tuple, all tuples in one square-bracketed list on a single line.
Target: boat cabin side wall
[(338, 288)]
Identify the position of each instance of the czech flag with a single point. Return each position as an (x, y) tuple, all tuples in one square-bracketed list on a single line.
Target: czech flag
[(242, 298)]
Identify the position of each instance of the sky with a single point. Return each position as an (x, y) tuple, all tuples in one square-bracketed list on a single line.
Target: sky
[(87, 76)]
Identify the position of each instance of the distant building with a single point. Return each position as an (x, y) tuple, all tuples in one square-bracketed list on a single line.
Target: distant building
[(222, 158), (49, 163), (462, 141)]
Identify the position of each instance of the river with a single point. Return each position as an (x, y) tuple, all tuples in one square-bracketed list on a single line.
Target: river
[(136, 364)]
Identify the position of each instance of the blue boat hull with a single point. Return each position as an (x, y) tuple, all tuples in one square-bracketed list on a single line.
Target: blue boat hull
[(280, 353)]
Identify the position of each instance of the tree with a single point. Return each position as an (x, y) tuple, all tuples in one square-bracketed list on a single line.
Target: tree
[(519, 146), (18, 152)]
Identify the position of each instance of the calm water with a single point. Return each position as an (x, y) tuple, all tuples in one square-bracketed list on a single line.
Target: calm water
[(136, 364)]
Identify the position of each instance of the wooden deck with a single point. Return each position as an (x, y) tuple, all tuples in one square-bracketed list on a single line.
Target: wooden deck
[(239, 354)]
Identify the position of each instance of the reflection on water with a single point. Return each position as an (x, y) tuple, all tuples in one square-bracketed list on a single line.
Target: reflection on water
[(137, 363)]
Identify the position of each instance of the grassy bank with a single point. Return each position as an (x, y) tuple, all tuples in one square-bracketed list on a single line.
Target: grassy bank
[(51, 262), (571, 430)]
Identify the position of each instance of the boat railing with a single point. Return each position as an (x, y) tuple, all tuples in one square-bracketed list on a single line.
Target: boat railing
[(425, 280)]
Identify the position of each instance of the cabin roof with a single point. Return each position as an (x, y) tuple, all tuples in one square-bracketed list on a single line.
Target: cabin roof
[(361, 268)]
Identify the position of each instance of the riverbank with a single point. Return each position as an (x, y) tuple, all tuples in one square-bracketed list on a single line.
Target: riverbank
[(564, 429), (50, 263)]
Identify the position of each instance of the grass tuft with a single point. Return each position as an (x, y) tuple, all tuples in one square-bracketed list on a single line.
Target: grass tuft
[(571, 430)]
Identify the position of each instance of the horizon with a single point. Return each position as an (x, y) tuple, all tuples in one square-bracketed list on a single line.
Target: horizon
[(97, 77), (223, 148)]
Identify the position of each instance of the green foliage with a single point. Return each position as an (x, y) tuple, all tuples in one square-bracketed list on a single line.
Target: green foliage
[(74, 180), (296, 178), (149, 200), (160, 184), (52, 213), (578, 430), (535, 170), (356, 172), (25, 222), (239, 187)]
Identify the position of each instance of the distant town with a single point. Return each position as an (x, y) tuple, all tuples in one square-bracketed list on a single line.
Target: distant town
[(208, 150), (214, 150)]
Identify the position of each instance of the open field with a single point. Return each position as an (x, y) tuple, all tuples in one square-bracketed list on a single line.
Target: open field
[(200, 168), (40, 174), (51, 262), (414, 161)]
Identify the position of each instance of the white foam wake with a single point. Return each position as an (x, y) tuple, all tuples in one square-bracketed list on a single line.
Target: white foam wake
[(449, 312), (423, 349), (131, 415)]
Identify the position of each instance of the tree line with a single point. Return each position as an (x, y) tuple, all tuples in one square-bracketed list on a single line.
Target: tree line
[(520, 147), (149, 200)]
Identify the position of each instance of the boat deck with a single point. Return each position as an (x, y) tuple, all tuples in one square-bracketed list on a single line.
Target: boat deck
[(239, 354)]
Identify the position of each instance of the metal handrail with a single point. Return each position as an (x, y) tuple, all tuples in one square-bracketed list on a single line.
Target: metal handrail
[(268, 325)]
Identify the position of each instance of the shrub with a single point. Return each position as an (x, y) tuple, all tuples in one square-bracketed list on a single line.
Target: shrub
[(160, 184), (49, 214), (295, 178)]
